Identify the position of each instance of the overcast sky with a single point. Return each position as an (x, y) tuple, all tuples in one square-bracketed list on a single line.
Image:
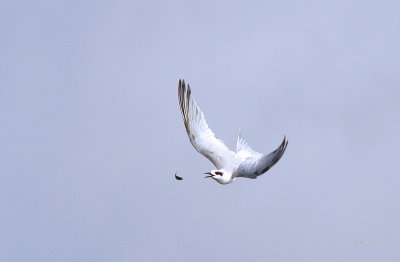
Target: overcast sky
[(91, 133)]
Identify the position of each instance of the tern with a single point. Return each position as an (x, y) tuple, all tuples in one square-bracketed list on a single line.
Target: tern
[(245, 162)]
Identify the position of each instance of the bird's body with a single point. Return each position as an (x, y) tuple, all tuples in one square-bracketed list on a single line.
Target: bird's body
[(245, 162)]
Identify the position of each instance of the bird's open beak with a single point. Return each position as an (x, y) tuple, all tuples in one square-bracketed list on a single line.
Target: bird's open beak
[(209, 175)]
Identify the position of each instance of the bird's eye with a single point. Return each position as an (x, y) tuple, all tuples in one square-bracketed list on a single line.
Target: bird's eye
[(218, 173)]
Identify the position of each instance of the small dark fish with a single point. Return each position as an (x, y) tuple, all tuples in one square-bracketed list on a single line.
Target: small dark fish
[(178, 177)]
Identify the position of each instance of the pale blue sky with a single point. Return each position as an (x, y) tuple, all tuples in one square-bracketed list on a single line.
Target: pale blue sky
[(91, 133)]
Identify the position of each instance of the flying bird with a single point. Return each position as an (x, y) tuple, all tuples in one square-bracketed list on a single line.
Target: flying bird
[(245, 162)]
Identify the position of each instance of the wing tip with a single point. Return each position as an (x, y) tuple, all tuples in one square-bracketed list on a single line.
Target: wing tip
[(279, 153), (284, 143), (184, 97), (283, 146)]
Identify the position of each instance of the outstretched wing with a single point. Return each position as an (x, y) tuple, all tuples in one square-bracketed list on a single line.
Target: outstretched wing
[(258, 164), (200, 135)]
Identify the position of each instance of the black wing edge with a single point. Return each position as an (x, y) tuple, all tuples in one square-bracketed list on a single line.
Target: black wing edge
[(276, 155), (184, 98)]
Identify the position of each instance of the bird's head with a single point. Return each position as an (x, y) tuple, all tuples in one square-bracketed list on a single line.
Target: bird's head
[(221, 176)]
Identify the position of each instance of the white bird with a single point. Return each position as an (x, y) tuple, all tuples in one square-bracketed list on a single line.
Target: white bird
[(245, 162)]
